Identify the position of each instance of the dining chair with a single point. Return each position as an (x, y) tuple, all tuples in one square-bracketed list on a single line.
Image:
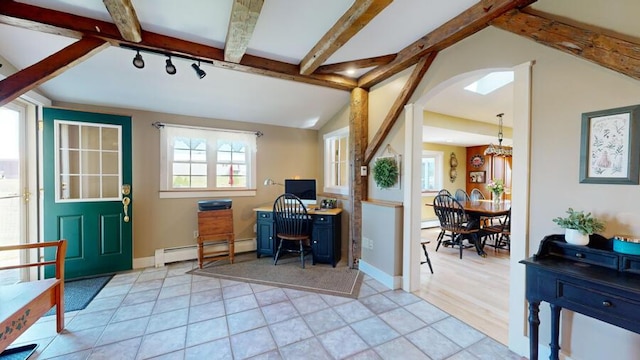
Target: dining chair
[(462, 195), (292, 225), (444, 192), (476, 194), (500, 233), (454, 223)]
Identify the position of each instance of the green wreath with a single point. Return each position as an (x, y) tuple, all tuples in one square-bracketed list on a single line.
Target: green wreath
[(385, 172)]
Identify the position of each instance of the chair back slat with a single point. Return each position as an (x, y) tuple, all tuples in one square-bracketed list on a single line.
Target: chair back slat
[(291, 217)]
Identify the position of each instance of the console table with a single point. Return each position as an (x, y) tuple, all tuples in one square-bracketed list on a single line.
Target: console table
[(592, 280), (325, 234)]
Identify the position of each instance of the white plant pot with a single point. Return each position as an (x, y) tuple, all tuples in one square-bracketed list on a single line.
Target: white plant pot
[(575, 237)]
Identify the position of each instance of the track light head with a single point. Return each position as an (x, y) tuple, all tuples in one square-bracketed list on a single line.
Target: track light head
[(138, 61), (199, 72), (170, 68)]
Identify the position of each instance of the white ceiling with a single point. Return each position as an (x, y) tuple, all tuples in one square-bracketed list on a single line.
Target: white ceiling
[(286, 30)]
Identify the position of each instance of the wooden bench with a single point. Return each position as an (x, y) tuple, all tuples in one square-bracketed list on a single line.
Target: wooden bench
[(22, 304)]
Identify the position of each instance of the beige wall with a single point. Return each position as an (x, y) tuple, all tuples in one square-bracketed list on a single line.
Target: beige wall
[(160, 223)]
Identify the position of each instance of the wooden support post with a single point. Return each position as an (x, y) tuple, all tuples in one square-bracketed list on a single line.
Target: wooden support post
[(358, 139)]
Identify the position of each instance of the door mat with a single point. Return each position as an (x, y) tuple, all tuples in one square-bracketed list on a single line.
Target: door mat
[(79, 293), (319, 278)]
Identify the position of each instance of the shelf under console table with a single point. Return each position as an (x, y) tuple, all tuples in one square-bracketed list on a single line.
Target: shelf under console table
[(592, 280), (326, 233)]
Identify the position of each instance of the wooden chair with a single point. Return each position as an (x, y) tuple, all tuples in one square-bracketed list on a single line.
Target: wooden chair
[(500, 233), (476, 194), (461, 195), (444, 192), (293, 224), (453, 219), (22, 304)]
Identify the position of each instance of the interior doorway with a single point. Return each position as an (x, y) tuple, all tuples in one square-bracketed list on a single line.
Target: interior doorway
[(520, 199)]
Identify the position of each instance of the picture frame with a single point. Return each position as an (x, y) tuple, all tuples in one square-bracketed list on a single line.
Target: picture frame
[(477, 176), (610, 146)]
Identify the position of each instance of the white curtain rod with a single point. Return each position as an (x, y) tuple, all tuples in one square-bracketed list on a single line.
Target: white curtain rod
[(159, 125)]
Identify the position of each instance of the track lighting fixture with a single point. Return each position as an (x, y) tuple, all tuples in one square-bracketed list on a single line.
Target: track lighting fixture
[(138, 61), (198, 71), (170, 68)]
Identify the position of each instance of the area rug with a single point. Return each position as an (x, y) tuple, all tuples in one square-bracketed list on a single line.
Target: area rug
[(319, 278), (79, 293)]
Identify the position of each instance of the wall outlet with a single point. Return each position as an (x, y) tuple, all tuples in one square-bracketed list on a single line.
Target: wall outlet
[(367, 243), (195, 234), (255, 228), (363, 170)]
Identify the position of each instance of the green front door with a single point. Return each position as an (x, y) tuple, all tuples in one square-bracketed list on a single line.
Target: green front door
[(87, 192)]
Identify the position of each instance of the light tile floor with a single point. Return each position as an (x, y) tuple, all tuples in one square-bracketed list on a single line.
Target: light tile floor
[(163, 313)]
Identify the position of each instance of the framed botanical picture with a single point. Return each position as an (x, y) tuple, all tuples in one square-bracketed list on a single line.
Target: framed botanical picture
[(476, 176), (610, 146)]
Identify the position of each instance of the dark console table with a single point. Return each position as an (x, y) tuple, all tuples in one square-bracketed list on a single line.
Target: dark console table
[(591, 280), (325, 234)]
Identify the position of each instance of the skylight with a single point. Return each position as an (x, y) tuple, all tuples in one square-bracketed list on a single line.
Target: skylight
[(491, 82)]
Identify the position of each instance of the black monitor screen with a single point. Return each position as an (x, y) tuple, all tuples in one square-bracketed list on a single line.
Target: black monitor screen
[(305, 189)]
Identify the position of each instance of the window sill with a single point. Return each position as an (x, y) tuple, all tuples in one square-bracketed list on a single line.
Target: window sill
[(205, 194)]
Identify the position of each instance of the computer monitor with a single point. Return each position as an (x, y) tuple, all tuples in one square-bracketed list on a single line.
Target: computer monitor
[(305, 189)]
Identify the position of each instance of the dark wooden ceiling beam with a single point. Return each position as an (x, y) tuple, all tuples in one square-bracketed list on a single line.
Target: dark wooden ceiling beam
[(615, 54), (355, 64), (397, 107), (56, 22), (124, 16), (467, 23), (352, 21), (242, 22), (48, 68)]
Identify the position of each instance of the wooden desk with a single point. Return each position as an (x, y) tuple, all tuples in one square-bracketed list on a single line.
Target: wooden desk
[(215, 227), (591, 280), (326, 239)]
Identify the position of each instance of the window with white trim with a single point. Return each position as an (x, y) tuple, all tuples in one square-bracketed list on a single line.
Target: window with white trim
[(336, 161), (432, 171), (204, 160)]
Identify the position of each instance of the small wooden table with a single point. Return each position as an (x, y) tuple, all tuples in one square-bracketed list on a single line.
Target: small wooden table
[(215, 227)]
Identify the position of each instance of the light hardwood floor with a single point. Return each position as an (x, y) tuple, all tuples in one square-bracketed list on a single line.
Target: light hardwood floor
[(473, 289)]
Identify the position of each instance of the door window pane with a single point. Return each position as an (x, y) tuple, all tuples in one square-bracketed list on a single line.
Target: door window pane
[(88, 161)]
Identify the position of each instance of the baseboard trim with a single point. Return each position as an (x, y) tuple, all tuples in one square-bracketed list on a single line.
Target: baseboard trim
[(390, 281), (184, 253)]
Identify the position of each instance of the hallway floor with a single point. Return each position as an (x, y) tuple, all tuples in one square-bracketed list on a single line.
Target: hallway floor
[(163, 313)]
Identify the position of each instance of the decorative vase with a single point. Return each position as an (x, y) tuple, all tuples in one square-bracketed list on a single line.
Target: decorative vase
[(497, 198), (575, 237)]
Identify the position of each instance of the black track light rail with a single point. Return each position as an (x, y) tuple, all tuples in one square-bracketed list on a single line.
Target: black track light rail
[(163, 53)]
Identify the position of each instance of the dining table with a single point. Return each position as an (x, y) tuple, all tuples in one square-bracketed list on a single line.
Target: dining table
[(478, 209)]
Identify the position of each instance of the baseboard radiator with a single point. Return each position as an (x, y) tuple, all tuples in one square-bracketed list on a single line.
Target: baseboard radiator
[(190, 252)]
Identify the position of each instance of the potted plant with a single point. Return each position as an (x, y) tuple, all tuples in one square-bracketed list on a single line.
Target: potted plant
[(385, 172), (578, 226)]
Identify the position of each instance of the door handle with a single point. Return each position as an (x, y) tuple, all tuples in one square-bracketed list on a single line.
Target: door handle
[(125, 202)]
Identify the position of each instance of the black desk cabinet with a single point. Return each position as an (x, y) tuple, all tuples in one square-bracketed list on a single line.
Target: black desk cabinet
[(591, 280), (265, 234), (325, 236)]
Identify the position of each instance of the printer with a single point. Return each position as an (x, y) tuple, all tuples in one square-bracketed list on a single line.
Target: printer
[(218, 204)]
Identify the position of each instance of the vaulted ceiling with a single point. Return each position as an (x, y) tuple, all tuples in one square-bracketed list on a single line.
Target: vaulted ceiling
[(279, 62)]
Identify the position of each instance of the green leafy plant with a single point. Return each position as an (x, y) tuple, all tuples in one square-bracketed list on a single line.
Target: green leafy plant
[(578, 220), (385, 172)]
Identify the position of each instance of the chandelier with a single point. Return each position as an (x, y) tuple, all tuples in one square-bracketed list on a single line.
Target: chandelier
[(499, 150)]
